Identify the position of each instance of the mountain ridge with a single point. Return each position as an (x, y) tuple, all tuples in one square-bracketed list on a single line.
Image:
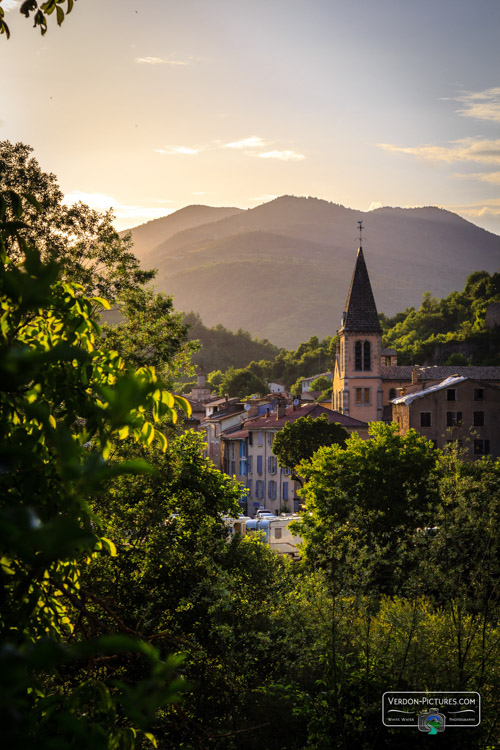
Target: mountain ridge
[(281, 270)]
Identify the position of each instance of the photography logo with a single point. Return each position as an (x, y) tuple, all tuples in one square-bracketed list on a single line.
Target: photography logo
[(431, 722)]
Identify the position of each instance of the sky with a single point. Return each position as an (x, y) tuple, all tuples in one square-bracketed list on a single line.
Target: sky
[(148, 106)]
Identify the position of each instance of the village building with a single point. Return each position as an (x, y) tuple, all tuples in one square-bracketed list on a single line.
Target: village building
[(250, 458), (458, 410)]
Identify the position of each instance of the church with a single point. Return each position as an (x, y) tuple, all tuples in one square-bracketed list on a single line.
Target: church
[(445, 403)]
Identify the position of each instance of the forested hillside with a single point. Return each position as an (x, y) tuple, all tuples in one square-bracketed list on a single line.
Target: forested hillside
[(452, 329)]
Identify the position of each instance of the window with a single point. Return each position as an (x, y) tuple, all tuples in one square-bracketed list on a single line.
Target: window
[(243, 467), (233, 468), (481, 447), (479, 419), (434, 443), (392, 394), (362, 395), (272, 464), (259, 437), (259, 464), (367, 356), (285, 470), (270, 438), (243, 448), (478, 394), (250, 464), (259, 489), (250, 438), (285, 490), (271, 489), (453, 418), (362, 355), (425, 419), (358, 360), (451, 394)]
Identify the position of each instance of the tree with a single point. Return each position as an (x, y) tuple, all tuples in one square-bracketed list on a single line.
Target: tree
[(40, 13), (151, 333), (241, 383), (64, 403), (299, 440), (82, 240), (364, 502)]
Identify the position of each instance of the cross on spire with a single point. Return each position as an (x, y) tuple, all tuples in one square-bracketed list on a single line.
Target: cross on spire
[(360, 227)]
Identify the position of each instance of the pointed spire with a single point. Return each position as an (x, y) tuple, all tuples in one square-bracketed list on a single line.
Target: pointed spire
[(360, 312)]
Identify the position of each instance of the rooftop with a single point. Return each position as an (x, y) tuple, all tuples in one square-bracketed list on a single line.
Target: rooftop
[(306, 410)]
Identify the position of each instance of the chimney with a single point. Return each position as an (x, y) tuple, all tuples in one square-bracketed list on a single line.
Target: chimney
[(414, 376), (268, 412), (280, 410)]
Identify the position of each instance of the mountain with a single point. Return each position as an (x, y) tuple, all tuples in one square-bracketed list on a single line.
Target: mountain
[(156, 231), (282, 270)]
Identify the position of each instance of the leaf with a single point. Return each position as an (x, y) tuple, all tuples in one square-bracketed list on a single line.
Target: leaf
[(184, 404), (109, 545)]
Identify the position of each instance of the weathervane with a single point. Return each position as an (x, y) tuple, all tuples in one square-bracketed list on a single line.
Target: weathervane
[(360, 226)]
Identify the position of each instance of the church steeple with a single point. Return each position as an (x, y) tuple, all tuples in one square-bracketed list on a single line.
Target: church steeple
[(360, 314)]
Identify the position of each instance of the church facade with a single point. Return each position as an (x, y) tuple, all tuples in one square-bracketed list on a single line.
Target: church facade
[(367, 378)]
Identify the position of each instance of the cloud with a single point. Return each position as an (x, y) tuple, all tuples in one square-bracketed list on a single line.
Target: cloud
[(282, 155), (476, 210), (159, 61), (374, 205), (126, 215), (184, 150), (10, 4), (465, 149), (492, 177), (481, 105), (253, 142)]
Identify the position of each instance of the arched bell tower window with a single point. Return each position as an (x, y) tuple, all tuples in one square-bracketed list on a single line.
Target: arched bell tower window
[(392, 394), (367, 356), (362, 355), (358, 356)]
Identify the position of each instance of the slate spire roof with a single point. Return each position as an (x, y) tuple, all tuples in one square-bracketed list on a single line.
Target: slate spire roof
[(360, 314)]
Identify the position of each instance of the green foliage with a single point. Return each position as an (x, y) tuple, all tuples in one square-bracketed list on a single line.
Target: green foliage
[(61, 8), (241, 383), (81, 240), (299, 440), (64, 403), (439, 324), (364, 501), (221, 348), (151, 333)]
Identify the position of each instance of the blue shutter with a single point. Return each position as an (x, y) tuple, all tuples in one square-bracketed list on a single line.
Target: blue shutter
[(259, 464), (285, 490)]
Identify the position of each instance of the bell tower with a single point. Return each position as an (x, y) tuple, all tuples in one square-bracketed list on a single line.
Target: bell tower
[(357, 387)]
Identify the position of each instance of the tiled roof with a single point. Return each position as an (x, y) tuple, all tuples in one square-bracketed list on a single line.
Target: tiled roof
[(409, 397), (440, 372), (360, 311), (218, 415), (306, 410), (237, 435)]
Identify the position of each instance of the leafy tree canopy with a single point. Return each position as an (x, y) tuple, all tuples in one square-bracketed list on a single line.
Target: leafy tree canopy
[(460, 317), (241, 383), (299, 440), (82, 240)]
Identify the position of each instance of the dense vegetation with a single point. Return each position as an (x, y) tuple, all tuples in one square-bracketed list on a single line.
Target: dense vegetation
[(129, 617), (450, 329)]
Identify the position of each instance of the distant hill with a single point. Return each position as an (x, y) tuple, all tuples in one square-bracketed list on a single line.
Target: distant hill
[(282, 270), (157, 231)]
